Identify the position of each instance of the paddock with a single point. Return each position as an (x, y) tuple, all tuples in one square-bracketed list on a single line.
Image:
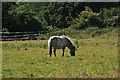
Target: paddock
[(95, 58)]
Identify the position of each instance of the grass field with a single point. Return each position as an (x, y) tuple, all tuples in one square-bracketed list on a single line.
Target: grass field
[(95, 58)]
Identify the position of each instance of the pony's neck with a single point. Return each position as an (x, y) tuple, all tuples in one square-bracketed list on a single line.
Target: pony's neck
[(69, 45)]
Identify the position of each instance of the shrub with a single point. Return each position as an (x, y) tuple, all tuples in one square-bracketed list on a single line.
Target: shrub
[(86, 18)]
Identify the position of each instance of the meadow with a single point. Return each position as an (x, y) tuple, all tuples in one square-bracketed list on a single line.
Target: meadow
[(93, 28), (95, 58)]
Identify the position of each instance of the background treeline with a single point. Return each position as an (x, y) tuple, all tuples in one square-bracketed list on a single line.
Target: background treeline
[(47, 16)]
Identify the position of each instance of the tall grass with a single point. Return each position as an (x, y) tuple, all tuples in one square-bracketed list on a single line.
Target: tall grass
[(90, 32), (24, 44)]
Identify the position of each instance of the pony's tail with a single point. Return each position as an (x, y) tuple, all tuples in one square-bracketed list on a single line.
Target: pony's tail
[(50, 50)]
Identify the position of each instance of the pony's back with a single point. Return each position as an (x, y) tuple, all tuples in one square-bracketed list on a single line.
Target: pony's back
[(58, 41)]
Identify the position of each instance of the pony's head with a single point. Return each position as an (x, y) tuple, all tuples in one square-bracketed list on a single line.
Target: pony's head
[(72, 51)]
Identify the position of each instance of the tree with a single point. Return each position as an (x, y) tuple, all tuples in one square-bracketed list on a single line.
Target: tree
[(20, 17)]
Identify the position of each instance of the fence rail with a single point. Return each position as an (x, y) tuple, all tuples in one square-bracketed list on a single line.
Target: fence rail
[(11, 36)]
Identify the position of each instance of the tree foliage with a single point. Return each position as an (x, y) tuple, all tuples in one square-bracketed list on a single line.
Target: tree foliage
[(105, 18), (59, 15)]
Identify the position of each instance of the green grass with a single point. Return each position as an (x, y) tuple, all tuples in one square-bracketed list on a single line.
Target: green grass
[(95, 58)]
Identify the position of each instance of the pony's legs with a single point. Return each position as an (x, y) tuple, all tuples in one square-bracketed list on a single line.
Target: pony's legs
[(55, 52), (63, 52), (50, 50)]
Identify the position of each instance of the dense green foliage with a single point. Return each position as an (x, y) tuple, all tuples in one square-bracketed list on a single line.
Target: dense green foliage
[(55, 15), (105, 18)]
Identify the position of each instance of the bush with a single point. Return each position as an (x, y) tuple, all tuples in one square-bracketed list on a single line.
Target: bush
[(86, 18), (110, 16), (105, 18)]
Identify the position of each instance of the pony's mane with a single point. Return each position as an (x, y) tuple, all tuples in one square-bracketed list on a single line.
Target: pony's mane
[(71, 43), (68, 38)]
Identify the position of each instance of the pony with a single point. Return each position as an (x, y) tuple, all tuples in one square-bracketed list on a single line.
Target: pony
[(60, 42)]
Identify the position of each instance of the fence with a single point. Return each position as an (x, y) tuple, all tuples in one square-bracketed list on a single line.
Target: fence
[(10, 36)]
